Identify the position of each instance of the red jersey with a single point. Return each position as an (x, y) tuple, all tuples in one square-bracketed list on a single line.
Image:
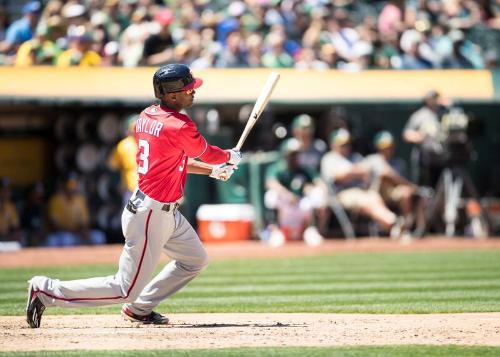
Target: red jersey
[(165, 140)]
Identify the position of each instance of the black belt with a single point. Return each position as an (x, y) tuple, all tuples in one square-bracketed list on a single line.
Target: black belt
[(167, 207)]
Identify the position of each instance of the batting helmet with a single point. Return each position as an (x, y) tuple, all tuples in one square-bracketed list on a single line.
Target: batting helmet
[(174, 77)]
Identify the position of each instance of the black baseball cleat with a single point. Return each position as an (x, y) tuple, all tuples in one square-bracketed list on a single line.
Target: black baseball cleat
[(34, 308), (153, 318)]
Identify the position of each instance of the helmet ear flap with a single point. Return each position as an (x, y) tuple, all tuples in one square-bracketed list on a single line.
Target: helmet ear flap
[(158, 88)]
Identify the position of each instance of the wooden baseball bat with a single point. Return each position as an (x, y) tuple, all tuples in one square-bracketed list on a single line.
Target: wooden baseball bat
[(259, 106)]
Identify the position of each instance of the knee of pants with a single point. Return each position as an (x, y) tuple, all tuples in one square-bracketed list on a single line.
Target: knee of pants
[(128, 293), (203, 262), (197, 264)]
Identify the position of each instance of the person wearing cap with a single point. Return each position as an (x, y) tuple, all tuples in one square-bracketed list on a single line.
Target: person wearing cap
[(345, 171), (423, 130), (159, 47), (79, 52), (21, 30), (169, 147), (294, 192), (122, 159), (387, 177), (43, 48), (311, 149)]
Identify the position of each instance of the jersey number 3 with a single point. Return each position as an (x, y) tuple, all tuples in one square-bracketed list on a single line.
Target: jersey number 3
[(143, 156)]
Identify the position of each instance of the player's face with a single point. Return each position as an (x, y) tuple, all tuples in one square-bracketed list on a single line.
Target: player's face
[(185, 98)]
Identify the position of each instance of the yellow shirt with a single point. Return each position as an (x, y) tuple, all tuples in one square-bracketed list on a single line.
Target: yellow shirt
[(8, 218), (123, 159), (43, 52), (68, 213), (88, 59)]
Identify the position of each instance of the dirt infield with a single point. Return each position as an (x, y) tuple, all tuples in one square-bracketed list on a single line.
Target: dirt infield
[(189, 331), (98, 332), (109, 254)]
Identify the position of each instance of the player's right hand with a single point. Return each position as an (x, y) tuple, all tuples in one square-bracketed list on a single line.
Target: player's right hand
[(222, 172), (235, 157)]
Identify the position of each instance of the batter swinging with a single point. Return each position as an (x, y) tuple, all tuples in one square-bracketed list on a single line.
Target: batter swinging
[(168, 142)]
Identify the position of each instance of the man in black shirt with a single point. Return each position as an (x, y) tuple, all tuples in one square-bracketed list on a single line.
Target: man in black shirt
[(159, 48)]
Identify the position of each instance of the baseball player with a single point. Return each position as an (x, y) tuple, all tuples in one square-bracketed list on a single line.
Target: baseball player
[(168, 144)]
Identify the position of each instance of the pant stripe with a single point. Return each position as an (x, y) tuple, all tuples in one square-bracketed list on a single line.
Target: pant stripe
[(112, 297)]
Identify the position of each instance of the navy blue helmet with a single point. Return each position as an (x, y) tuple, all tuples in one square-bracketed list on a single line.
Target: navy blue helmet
[(174, 77)]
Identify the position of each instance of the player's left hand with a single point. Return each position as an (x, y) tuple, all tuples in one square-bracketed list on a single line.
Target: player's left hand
[(235, 157), (223, 172)]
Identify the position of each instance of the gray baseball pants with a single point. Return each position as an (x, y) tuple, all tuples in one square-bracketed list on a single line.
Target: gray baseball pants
[(149, 231)]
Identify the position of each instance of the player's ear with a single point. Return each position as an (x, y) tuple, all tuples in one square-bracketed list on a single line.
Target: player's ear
[(170, 97)]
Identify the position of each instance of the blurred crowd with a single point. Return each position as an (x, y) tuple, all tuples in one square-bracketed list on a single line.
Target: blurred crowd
[(59, 219), (312, 34)]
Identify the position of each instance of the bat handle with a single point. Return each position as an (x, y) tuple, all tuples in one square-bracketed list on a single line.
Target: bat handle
[(242, 139)]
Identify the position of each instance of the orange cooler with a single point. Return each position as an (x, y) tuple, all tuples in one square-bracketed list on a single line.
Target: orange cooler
[(225, 222)]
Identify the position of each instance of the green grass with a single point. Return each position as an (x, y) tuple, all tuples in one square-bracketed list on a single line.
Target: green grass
[(381, 351), (417, 282)]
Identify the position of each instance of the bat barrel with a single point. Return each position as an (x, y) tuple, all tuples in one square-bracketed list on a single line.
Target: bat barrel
[(259, 106)]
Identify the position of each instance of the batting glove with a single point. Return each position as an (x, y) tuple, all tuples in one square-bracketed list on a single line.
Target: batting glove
[(222, 172), (235, 157)]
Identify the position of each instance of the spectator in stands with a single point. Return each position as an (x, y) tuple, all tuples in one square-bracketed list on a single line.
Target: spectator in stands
[(349, 36), (307, 59), (254, 44), (51, 13), (69, 217), (231, 22), (21, 30), (123, 159), (79, 52), (464, 53), (461, 14), (9, 218), (110, 53), (391, 18), (349, 176), (310, 149), (133, 38), (296, 193), (75, 15), (412, 58), (328, 55), (423, 130), (276, 55), (43, 49), (387, 173), (159, 47), (115, 18), (233, 54)]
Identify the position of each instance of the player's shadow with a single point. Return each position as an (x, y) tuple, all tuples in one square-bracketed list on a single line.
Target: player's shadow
[(216, 325)]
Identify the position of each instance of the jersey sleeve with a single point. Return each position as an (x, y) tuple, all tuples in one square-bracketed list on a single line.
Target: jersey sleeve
[(195, 146), (12, 35)]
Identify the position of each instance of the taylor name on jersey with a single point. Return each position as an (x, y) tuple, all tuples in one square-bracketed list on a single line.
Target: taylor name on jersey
[(148, 126)]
